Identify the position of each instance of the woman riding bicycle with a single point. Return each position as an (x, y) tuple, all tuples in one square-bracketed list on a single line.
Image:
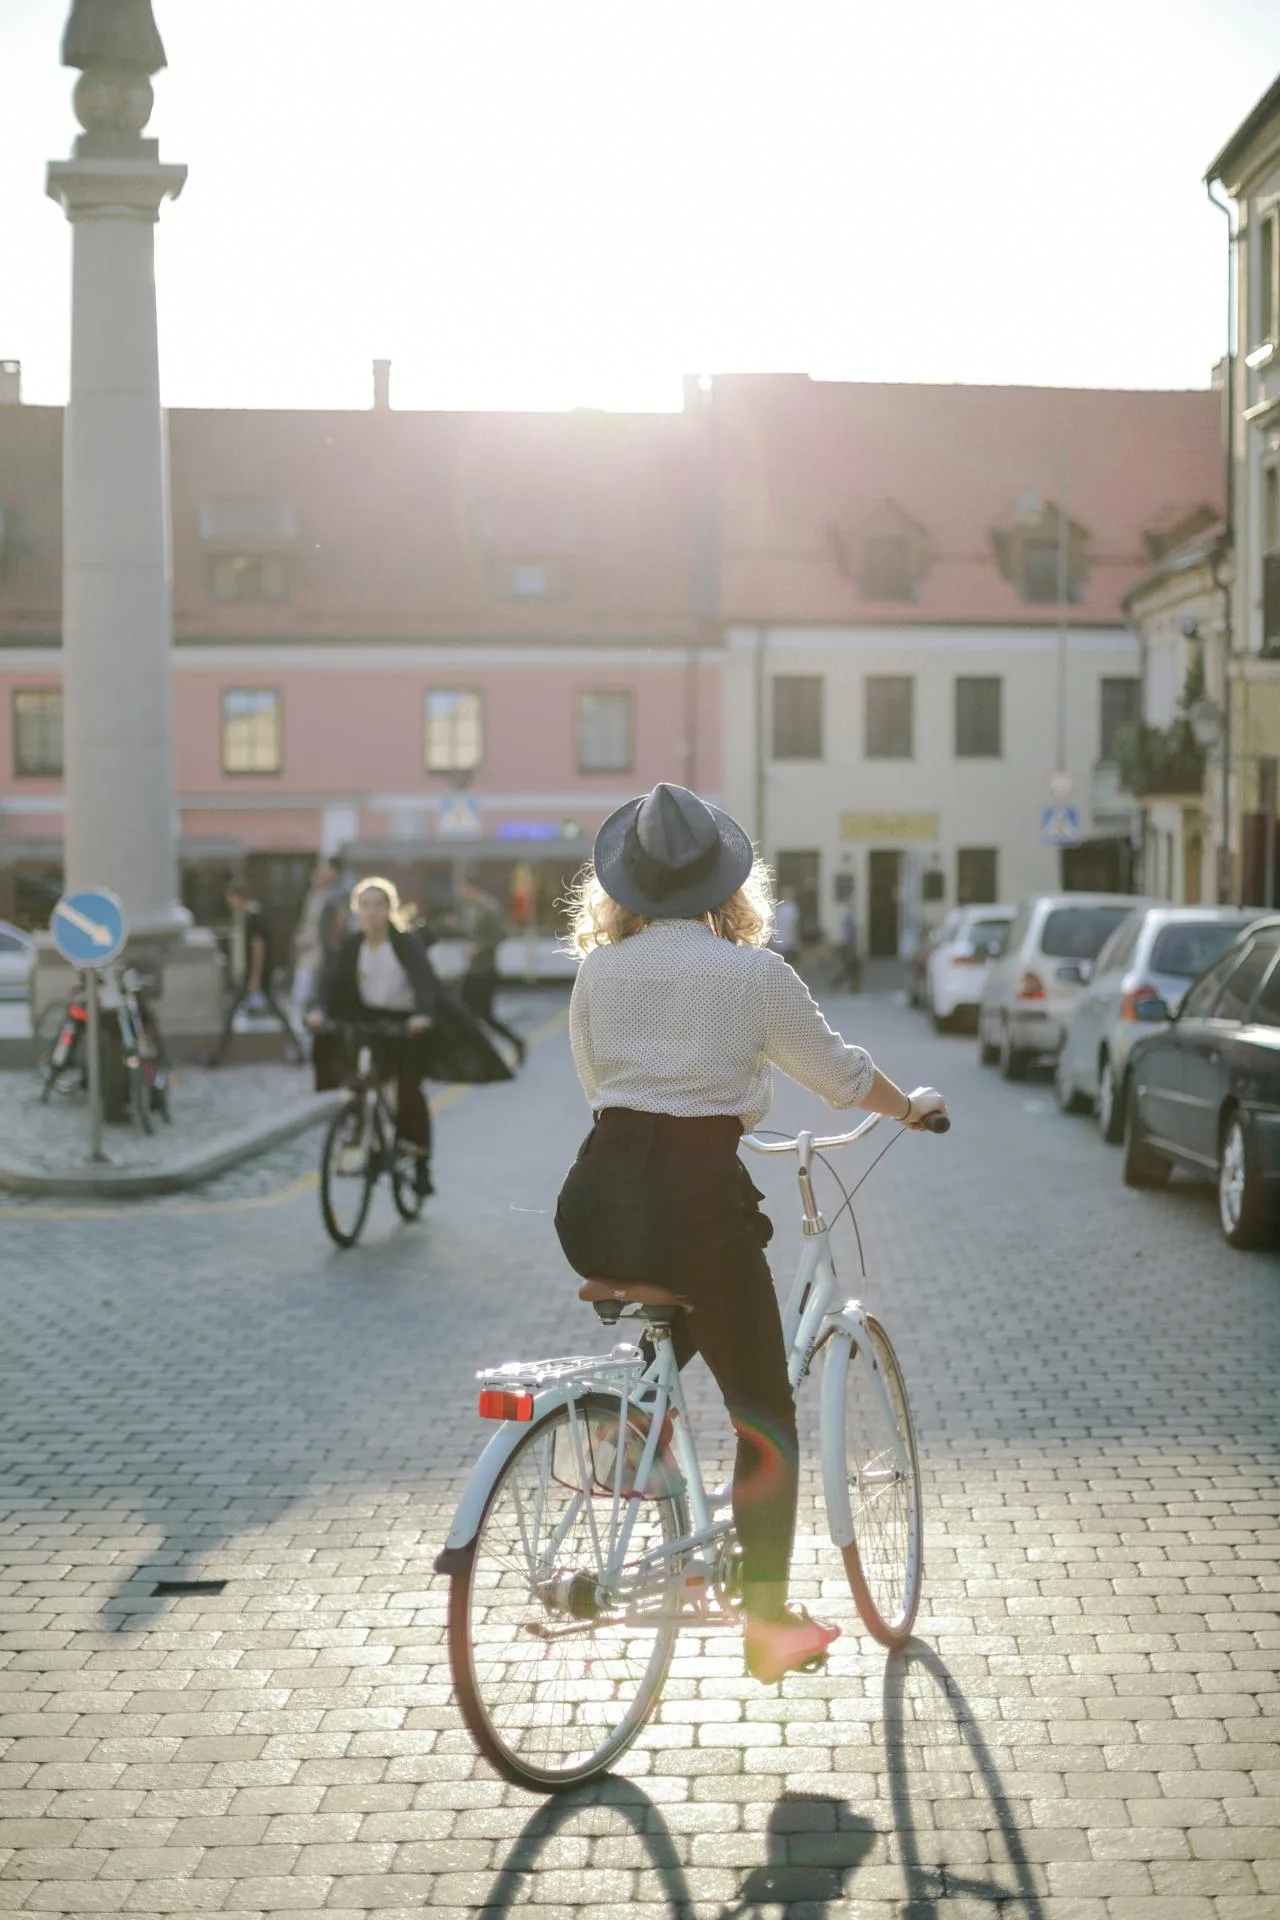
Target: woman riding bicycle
[(679, 1013), (382, 969)]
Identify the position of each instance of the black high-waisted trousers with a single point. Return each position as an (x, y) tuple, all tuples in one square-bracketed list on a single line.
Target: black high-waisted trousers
[(666, 1200)]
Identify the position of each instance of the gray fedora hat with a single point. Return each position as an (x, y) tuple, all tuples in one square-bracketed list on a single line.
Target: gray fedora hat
[(670, 856)]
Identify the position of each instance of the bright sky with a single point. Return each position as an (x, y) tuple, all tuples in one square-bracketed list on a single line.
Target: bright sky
[(550, 203)]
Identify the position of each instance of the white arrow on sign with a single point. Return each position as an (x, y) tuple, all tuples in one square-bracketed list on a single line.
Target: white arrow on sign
[(100, 935)]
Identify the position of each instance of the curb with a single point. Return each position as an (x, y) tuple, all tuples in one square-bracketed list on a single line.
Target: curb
[(228, 1151)]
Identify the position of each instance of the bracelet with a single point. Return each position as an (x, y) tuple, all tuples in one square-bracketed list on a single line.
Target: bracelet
[(905, 1117)]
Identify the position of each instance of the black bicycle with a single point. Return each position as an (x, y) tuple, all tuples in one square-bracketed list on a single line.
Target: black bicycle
[(136, 1081), (361, 1145)]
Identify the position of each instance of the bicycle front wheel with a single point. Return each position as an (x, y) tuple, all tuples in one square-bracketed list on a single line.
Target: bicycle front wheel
[(348, 1170), (552, 1691), (885, 1559)]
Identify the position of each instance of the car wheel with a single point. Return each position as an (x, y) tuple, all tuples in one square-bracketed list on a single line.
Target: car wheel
[(1111, 1104), (1067, 1094), (987, 1054), (1013, 1061), (1244, 1205), (1143, 1166)]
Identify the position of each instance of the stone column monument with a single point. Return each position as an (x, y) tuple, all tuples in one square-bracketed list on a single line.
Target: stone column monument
[(117, 619)]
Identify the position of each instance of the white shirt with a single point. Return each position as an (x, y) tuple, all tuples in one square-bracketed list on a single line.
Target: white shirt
[(383, 981), (676, 1020)]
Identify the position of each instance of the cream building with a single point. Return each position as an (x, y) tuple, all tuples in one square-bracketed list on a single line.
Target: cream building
[(926, 646), (1248, 169)]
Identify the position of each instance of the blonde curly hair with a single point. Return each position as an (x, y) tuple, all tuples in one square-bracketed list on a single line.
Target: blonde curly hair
[(596, 920)]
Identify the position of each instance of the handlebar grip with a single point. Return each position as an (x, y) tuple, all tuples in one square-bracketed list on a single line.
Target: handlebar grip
[(936, 1123)]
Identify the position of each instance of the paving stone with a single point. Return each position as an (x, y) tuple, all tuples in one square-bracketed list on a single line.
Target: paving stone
[(1083, 1724)]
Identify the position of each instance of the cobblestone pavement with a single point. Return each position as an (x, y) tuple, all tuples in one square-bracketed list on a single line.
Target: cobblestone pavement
[(1085, 1728)]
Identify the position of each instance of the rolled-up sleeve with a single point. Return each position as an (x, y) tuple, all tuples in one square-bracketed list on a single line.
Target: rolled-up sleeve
[(580, 1039), (798, 1040)]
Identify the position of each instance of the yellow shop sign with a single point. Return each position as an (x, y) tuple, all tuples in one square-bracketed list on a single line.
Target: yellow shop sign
[(888, 826)]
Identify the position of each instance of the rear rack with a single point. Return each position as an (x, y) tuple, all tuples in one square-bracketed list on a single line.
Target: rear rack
[(610, 1370)]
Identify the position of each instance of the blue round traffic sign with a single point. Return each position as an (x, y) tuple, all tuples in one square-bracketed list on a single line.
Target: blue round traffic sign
[(88, 928)]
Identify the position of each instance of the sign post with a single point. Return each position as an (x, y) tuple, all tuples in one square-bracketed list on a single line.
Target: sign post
[(89, 932)]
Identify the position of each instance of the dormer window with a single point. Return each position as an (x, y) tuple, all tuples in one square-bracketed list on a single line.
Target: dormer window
[(888, 567), (1027, 554), (883, 553), (247, 543)]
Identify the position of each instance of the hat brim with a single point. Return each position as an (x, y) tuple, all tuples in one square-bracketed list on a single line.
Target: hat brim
[(736, 859)]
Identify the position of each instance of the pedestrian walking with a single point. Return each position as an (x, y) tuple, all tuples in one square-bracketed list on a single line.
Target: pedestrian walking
[(324, 901), (677, 1020), (254, 991), (850, 970), (786, 929), (485, 926)]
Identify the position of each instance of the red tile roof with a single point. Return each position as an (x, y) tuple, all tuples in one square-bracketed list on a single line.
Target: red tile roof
[(399, 518), (805, 459)]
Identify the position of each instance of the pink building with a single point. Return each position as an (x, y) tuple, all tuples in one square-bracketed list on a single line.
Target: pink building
[(414, 639)]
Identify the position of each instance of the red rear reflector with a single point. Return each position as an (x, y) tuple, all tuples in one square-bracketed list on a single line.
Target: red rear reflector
[(1031, 987), (497, 1405)]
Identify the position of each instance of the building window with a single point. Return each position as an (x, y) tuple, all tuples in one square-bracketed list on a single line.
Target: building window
[(978, 717), (1267, 306), (977, 870), (37, 732), (248, 577), (797, 717), (1119, 706), (889, 705), (604, 732), (453, 727), (252, 734), (888, 569)]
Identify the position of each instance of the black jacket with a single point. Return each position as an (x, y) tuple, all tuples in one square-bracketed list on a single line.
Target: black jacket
[(454, 1050)]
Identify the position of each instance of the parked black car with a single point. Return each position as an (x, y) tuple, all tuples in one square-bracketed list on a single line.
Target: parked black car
[(1204, 1092)]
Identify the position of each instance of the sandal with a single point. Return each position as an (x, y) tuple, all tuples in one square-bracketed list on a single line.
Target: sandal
[(792, 1642)]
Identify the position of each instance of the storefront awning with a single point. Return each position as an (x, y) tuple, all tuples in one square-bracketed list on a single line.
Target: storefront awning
[(565, 854)]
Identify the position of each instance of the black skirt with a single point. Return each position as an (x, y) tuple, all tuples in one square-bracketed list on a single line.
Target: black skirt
[(652, 1197)]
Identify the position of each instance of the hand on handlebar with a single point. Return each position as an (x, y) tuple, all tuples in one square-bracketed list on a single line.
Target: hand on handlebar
[(417, 1023), (315, 1019), (928, 1112)]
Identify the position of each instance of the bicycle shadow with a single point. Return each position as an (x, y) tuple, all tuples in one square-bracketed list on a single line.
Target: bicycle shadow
[(925, 1709), (812, 1844), (608, 1808)]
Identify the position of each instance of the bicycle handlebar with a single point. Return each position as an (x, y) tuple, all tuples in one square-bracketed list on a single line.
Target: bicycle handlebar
[(390, 1027), (932, 1123)]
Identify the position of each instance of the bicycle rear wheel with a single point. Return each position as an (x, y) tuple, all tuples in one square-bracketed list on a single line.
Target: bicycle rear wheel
[(885, 1559), (551, 1693), (140, 1096), (349, 1164)]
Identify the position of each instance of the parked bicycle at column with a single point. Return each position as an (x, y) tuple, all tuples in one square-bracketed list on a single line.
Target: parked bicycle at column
[(137, 1076)]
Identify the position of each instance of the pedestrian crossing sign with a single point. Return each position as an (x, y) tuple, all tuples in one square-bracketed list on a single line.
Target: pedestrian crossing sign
[(459, 815), (1060, 826)]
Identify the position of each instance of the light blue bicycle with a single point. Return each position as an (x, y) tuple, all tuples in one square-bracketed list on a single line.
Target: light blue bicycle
[(586, 1539)]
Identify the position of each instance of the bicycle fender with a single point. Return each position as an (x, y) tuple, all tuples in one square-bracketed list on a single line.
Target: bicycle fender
[(456, 1553), (835, 1473)]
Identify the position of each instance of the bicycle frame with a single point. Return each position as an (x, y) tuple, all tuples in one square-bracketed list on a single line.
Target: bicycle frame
[(812, 1320)]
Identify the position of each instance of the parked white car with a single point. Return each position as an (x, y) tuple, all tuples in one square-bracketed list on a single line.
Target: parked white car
[(1154, 954), (17, 950), (1039, 975), (958, 961)]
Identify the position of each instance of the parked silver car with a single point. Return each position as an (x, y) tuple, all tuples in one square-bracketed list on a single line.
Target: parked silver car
[(1154, 954), (1039, 974), (17, 953)]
